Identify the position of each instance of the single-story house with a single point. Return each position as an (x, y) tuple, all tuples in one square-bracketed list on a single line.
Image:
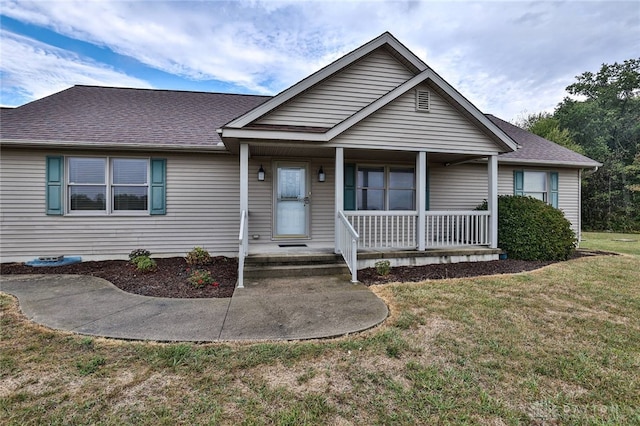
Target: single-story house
[(372, 152)]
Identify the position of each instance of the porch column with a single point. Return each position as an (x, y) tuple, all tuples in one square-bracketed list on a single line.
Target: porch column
[(339, 194), (244, 177), (492, 200), (421, 195)]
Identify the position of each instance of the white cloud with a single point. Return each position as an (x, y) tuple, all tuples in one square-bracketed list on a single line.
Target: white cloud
[(504, 56), (34, 70)]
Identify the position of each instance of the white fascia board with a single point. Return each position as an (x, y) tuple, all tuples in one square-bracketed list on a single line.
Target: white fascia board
[(109, 146), (569, 164), (325, 72), (273, 135), (475, 112)]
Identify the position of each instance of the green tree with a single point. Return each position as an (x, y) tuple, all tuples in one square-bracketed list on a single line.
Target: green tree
[(604, 119), (545, 125)]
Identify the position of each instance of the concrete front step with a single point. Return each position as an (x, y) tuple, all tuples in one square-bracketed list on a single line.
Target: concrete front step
[(293, 259), (290, 271)]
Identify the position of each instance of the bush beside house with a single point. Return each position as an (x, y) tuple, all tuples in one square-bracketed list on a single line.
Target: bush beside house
[(530, 229)]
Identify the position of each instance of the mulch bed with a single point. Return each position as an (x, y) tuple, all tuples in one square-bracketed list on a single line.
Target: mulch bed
[(170, 278)]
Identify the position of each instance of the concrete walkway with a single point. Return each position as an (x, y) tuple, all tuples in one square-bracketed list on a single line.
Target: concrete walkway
[(273, 309)]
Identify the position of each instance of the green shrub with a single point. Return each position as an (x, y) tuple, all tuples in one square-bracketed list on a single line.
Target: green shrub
[(530, 229), (198, 256), (144, 263), (138, 253), (383, 267)]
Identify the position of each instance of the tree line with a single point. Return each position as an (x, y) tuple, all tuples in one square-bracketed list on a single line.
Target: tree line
[(602, 121)]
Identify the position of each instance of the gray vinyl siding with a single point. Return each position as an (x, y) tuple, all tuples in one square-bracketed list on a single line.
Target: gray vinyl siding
[(337, 98), (399, 126), (261, 200), (464, 186), (202, 210), (460, 187)]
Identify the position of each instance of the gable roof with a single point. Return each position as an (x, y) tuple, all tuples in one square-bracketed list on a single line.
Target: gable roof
[(387, 40), (128, 118), (244, 126), (538, 150)]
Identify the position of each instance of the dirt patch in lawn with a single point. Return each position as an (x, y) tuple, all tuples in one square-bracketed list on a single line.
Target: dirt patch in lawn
[(170, 277)]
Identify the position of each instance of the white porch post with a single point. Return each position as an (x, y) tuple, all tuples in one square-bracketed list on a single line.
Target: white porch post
[(421, 195), (244, 177), (492, 200), (339, 194)]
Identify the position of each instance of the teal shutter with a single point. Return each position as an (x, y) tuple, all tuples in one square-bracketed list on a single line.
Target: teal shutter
[(518, 182), (553, 177), (55, 185), (349, 186), (157, 190)]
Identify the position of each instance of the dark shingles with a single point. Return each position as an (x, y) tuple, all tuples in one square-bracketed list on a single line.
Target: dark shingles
[(127, 116), (538, 150), (162, 118)]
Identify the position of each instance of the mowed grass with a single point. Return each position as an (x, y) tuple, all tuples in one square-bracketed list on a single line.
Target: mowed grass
[(555, 346), (611, 241)]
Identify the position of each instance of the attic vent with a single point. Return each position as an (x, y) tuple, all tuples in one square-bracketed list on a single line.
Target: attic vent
[(423, 100)]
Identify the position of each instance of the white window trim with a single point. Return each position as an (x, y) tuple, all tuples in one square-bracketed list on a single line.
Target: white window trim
[(109, 188), (386, 189)]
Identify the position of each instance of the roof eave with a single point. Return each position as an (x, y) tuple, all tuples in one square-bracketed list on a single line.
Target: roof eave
[(18, 143), (570, 164)]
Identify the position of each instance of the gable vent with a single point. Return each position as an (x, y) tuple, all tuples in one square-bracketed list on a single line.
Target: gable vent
[(423, 100)]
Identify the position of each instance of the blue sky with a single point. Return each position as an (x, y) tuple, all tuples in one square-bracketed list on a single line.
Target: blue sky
[(509, 58)]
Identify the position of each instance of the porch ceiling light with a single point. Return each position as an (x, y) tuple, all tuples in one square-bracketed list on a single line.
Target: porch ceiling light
[(321, 176), (261, 173)]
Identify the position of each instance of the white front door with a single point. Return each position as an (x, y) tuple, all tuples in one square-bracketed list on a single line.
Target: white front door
[(292, 201)]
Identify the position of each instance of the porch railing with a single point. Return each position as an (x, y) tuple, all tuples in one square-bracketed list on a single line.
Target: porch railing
[(399, 229), (385, 229), (456, 228), (243, 246), (348, 245)]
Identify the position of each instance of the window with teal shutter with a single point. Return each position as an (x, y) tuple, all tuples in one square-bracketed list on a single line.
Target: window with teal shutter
[(349, 186), (55, 185), (541, 185), (158, 186), (553, 177), (518, 182)]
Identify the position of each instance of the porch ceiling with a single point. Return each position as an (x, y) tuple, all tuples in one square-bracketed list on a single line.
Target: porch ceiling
[(297, 151), (291, 150), (403, 156)]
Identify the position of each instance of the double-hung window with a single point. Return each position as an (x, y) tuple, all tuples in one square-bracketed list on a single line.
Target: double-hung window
[(108, 184), (105, 185), (129, 184), (87, 184), (385, 188), (537, 184)]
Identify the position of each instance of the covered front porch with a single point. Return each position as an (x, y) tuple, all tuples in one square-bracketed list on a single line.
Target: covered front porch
[(360, 237)]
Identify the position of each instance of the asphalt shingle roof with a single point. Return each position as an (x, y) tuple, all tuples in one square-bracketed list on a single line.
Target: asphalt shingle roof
[(126, 116), (538, 150), (167, 118)]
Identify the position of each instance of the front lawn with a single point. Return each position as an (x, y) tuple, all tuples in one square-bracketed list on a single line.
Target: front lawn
[(611, 241), (555, 346)]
